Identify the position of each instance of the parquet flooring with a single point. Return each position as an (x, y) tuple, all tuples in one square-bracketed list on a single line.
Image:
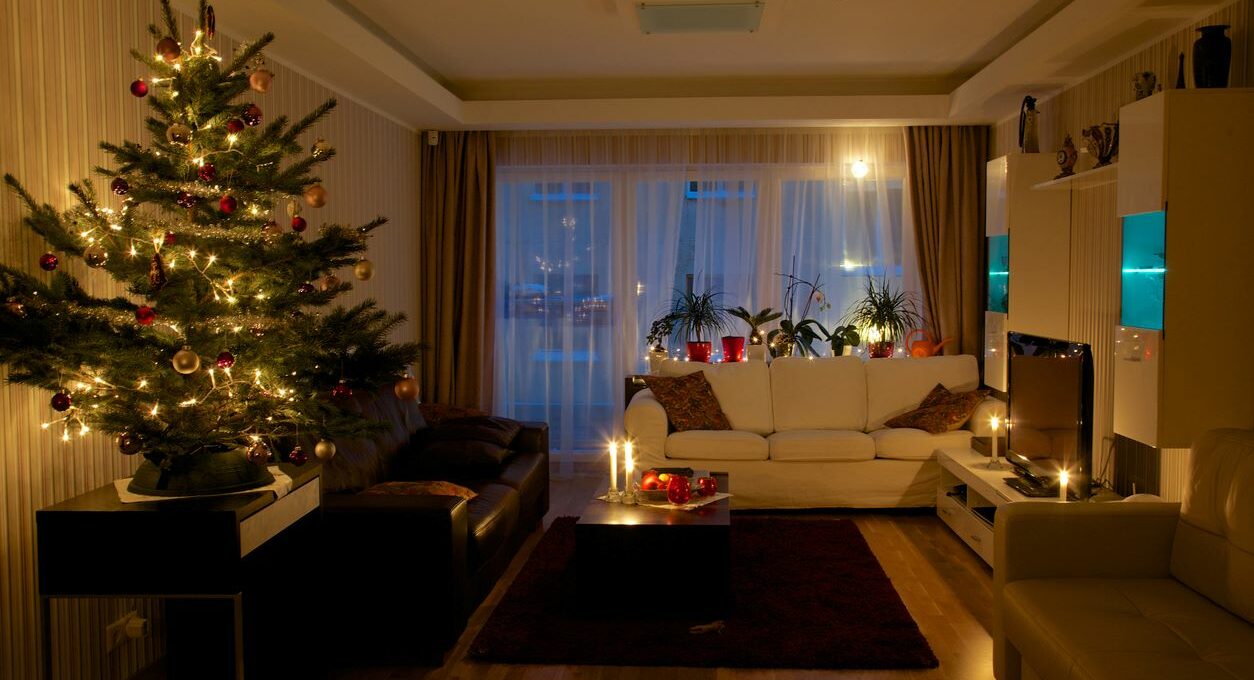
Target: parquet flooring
[(946, 587)]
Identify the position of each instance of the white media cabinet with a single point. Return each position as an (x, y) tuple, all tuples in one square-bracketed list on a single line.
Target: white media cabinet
[(969, 493)]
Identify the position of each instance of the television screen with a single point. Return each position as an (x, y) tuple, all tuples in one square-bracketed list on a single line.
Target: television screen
[(1051, 393)]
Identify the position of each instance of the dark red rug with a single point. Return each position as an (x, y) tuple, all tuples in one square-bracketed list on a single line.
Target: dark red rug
[(808, 594)]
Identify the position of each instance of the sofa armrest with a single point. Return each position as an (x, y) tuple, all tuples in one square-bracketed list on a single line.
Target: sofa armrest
[(980, 424), (1083, 540), (647, 426), (389, 554), (533, 438)]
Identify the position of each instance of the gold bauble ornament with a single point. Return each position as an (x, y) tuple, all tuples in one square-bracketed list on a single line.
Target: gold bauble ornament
[(406, 389), (329, 282), (320, 148), (272, 231), (186, 361), (178, 133), (96, 256), (325, 449), (293, 208), (363, 270), (169, 50), (316, 196), (258, 453), (260, 80)]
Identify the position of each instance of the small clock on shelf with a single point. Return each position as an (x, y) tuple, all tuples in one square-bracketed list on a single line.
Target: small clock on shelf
[(1067, 156)]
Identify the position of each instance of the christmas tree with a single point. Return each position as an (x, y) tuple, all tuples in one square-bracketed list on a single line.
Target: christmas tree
[(226, 345)]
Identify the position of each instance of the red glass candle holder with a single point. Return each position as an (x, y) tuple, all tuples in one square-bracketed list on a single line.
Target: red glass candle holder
[(707, 486), (733, 348), (679, 491)]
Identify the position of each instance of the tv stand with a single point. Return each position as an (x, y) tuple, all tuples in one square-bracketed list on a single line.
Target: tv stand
[(968, 495)]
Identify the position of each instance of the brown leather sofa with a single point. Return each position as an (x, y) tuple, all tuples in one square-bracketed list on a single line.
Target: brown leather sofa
[(1133, 590), (403, 572)]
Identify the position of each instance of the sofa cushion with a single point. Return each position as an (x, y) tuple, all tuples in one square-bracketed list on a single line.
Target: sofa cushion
[(527, 473), (716, 445), (941, 411), (491, 517), (689, 402), (422, 488), (743, 390), (821, 445), (905, 443), (894, 386), (488, 429), (479, 456), (819, 394), (1108, 629), (1214, 542)]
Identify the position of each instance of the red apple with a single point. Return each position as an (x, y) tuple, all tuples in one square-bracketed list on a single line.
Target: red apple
[(649, 480)]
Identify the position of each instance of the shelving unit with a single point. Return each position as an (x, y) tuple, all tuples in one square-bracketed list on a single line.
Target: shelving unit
[(1087, 179)]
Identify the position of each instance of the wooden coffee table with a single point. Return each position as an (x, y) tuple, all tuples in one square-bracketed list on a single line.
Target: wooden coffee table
[(632, 558)]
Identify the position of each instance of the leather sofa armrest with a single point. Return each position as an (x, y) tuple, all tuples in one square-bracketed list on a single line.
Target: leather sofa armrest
[(533, 438), (647, 425), (980, 424), (1083, 540)]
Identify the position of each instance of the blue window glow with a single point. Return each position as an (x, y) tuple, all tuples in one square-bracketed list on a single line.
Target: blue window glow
[(999, 274)]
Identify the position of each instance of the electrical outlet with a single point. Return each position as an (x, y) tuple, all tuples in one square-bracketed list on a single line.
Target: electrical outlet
[(116, 634)]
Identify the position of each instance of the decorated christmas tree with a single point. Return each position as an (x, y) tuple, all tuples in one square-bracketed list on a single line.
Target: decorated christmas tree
[(225, 353)]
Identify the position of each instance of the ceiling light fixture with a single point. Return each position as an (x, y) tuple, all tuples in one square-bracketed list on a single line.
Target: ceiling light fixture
[(725, 17)]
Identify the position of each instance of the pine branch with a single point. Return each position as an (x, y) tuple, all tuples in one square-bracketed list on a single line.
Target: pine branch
[(246, 55), (171, 23), (312, 117)]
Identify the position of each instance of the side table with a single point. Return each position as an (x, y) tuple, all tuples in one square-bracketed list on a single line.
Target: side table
[(230, 570)]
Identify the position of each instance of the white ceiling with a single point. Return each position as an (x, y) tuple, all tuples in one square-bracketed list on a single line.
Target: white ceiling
[(585, 63)]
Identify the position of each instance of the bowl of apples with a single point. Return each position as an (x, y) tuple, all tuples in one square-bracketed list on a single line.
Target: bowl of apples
[(655, 483)]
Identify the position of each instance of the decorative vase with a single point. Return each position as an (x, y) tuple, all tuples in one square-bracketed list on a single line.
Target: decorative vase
[(1028, 140), (880, 350), (707, 486), (700, 351), (757, 353), (733, 348), (1211, 56), (655, 359), (200, 474), (679, 490)]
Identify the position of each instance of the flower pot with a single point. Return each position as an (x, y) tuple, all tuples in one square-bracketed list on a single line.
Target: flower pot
[(880, 350), (1211, 56), (757, 352), (700, 351), (733, 348), (200, 474)]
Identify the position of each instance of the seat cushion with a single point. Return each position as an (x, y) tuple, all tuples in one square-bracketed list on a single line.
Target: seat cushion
[(819, 394), (491, 516), (1112, 629), (825, 445), (743, 390), (716, 445), (525, 472), (894, 386), (689, 402), (907, 443)]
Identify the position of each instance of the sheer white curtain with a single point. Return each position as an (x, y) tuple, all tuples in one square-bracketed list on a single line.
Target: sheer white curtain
[(596, 231)]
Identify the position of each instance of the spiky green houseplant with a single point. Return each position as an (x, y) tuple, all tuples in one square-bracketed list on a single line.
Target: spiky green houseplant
[(225, 341), (697, 316), (885, 314)]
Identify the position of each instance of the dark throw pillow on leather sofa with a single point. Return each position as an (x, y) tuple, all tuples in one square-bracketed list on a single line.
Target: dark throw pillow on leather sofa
[(470, 443)]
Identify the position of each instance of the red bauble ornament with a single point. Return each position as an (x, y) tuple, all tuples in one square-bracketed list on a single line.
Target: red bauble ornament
[(298, 456), (679, 491), (707, 486), (234, 125), (48, 262), (251, 115), (145, 315), (186, 199), (169, 238), (305, 288), (129, 443), (139, 88), (119, 186), (258, 453), (342, 390), (299, 224), (225, 359), (227, 204), (61, 401), (207, 172)]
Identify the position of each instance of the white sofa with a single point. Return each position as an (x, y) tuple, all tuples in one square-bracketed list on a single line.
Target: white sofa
[(810, 433)]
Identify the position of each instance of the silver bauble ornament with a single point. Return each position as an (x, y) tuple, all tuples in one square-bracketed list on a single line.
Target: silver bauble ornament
[(178, 133), (186, 361), (95, 256), (320, 148), (293, 208), (325, 449), (258, 453), (363, 270), (329, 282)]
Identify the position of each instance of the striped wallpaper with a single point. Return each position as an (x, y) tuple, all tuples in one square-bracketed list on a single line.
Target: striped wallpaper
[(1095, 232), (64, 74)]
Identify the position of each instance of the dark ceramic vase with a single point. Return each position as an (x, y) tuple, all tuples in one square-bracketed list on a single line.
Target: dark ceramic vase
[(1212, 54)]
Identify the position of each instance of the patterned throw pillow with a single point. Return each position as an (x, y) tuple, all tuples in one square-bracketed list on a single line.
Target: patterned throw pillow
[(420, 489), (689, 402), (941, 411)]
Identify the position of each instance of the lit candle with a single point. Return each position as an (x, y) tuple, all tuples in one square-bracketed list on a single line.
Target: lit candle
[(995, 423), (1062, 485), (628, 466), (613, 466)]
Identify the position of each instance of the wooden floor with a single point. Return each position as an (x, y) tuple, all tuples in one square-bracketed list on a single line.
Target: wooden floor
[(946, 587)]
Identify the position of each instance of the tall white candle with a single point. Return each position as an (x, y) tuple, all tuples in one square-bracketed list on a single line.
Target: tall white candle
[(613, 466), (995, 422), (1062, 485), (629, 466)]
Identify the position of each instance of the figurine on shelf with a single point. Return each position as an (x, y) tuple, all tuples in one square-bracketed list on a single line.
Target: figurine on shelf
[(1067, 156), (1143, 84), (1028, 142), (1103, 142)]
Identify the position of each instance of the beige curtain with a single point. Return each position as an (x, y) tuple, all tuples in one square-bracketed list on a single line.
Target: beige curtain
[(946, 174), (458, 264)]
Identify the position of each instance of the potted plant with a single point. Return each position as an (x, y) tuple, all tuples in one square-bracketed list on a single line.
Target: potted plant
[(798, 335), (885, 315), (757, 337), (843, 339), (698, 315), (659, 331)]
